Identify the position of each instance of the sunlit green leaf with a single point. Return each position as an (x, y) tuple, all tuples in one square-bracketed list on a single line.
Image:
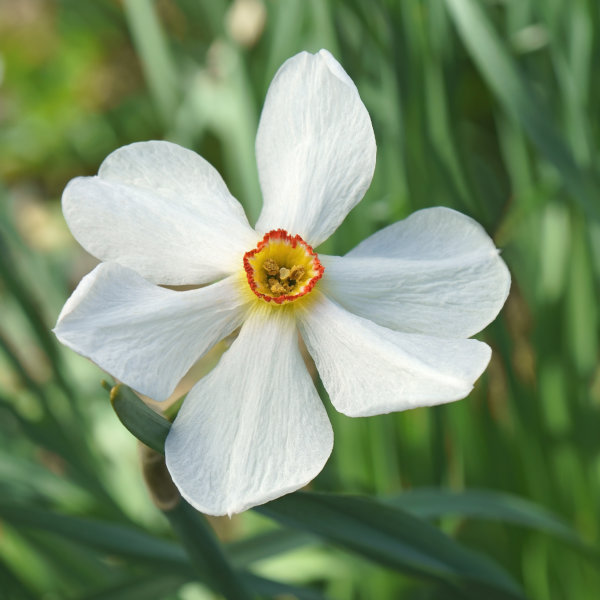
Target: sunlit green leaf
[(389, 536), (153, 48), (13, 588)]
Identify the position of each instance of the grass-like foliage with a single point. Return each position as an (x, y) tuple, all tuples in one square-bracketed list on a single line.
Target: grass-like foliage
[(490, 108)]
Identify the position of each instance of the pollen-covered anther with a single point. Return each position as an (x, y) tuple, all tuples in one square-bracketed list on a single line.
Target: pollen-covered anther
[(282, 268), (297, 272), (277, 287), (271, 267)]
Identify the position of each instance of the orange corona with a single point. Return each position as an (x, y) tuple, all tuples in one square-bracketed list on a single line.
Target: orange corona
[(282, 268)]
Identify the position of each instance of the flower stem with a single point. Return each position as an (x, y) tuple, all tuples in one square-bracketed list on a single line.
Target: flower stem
[(205, 552), (192, 529)]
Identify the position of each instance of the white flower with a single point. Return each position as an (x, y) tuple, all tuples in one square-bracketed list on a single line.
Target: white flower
[(387, 324)]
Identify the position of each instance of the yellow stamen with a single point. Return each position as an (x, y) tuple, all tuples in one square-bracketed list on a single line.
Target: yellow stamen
[(271, 267), (276, 287), (297, 272), (282, 268)]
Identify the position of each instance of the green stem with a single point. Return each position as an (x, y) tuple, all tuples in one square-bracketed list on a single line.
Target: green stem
[(205, 552)]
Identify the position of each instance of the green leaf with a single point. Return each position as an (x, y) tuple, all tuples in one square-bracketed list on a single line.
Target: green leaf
[(128, 542), (207, 556), (15, 284), (265, 545), (11, 585), (144, 423), (518, 99), (111, 538), (43, 432), (431, 503), (147, 587), (391, 537), (276, 589), (156, 587), (153, 49), (368, 527)]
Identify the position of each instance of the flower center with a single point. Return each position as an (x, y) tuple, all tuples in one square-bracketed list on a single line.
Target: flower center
[(282, 268)]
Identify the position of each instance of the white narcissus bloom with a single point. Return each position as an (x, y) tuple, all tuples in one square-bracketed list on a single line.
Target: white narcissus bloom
[(387, 324)]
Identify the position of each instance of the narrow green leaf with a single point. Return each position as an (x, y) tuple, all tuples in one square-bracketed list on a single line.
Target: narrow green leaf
[(139, 419), (68, 563), (44, 433), (265, 545), (510, 87), (153, 48), (156, 587), (111, 538), (276, 589), (365, 526), (391, 537), (12, 586), (15, 284), (7, 348), (582, 304), (483, 504), (128, 542), (24, 479), (147, 587)]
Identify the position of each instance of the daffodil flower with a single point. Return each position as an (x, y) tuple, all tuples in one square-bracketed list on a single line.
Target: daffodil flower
[(386, 324)]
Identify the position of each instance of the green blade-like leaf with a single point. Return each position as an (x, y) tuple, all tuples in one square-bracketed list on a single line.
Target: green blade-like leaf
[(145, 424), (389, 536), (209, 559), (133, 544), (111, 538), (15, 284), (43, 433), (12, 586), (265, 545), (510, 87), (412, 545), (483, 504), (275, 589), (153, 49), (157, 587), (148, 587)]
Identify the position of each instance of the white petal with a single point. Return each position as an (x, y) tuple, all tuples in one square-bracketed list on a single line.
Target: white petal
[(315, 148), (369, 370), (144, 335), (254, 428), (161, 210), (437, 272)]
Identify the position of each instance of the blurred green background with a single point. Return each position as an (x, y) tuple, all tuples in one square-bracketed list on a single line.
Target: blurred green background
[(489, 107)]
